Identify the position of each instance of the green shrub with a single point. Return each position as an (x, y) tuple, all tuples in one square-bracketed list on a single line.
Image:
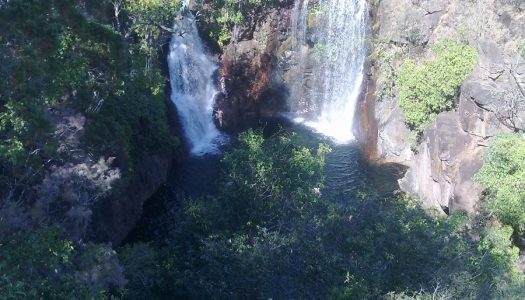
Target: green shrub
[(503, 175), (142, 270), (497, 260), (430, 87), (274, 173), (268, 234), (148, 16)]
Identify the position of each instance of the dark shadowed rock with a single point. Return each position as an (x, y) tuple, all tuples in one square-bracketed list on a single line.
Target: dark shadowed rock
[(253, 70)]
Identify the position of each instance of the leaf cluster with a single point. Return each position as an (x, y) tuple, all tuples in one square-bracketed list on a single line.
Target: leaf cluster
[(40, 265)]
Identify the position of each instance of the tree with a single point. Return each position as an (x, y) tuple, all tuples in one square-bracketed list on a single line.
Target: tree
[(219, 17), (269, 234), (511, 106), (39, 265)]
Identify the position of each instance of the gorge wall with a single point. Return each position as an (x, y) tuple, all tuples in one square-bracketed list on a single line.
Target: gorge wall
[(257, 66), (95, 133), (299, 57), (491, 99)]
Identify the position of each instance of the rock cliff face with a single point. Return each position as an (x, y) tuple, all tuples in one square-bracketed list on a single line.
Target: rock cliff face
[(249, 64), (491, 101)]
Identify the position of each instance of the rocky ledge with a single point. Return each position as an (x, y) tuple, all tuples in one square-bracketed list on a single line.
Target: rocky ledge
[(491, 100)]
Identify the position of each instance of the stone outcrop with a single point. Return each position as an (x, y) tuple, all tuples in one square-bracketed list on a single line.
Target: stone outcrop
[(251, 72), (255, 68), (442, 169), (491, 101)]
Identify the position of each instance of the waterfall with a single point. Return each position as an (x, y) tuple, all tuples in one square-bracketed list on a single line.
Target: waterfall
[(327, 65), (192, 87)]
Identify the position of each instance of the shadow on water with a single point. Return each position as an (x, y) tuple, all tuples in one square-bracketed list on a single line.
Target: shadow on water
[(347, 174)]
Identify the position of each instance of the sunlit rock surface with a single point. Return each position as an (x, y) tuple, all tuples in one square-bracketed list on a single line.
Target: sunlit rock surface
[(491, 100)]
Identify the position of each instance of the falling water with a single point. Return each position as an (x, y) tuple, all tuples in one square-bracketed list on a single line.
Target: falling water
[(328, 64), (193, 90)]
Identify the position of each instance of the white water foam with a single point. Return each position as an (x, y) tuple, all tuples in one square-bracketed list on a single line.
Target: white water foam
[(329, 74), (192, 88)]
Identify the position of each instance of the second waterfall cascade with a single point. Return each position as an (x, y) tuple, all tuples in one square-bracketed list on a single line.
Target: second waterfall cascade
[(327, 66), (192, 87)]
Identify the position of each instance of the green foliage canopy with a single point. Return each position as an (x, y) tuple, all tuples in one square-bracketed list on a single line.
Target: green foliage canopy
[(38, 265), (268, 235), (149, 18), (272, 179), (503, 174), (54, 58)]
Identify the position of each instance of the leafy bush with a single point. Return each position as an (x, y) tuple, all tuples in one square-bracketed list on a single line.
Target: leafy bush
[(387, 57), (278, 175), (38, 265), (503, 175), (430, 87), (497, 259), (149, 17), (142, 270), (489, 273)]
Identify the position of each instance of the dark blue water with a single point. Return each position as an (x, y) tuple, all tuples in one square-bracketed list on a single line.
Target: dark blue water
[(348, 173)]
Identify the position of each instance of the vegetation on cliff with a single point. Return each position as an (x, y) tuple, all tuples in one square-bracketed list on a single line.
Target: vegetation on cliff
[(219, 17), (503, 176), (81, 103), (432, 86), (44, 265), (57, 61), (269, 233)]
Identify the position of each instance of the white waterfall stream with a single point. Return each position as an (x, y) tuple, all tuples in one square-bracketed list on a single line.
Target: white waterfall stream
[(330, 51), (192, 87)]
